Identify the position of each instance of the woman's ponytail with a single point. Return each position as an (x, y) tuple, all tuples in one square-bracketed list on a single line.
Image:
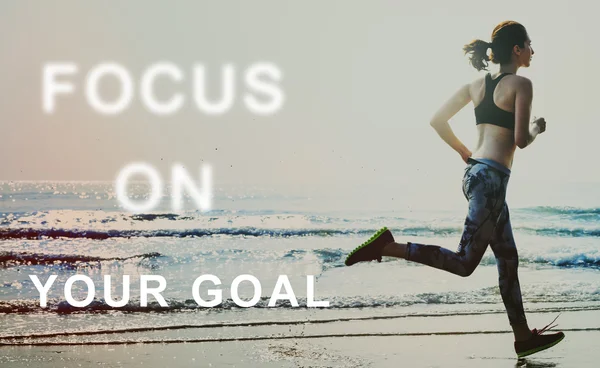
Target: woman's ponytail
[(478, 50), (504, 37)]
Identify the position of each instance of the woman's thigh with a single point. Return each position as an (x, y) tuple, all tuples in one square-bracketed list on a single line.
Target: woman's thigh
[(485, 189)]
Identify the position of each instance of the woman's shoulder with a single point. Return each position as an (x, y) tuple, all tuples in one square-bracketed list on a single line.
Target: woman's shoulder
[(517, 83), (517, 77), (518, 80), (512, 80)]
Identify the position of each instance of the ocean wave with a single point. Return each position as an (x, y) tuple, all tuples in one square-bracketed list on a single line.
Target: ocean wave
[(483, 296), (101, 225), (38, 233), (564, 232), (24, 258), (329, 258), (332, 258), (155, 216), (563, 210), (101, 234)]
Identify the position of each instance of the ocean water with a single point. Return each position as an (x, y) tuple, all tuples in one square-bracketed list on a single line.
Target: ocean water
[(66, 229)]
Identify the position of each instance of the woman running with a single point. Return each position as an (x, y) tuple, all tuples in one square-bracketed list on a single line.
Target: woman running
[(502, 112)]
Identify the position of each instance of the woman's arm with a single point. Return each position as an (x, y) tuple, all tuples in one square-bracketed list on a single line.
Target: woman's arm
[(440, 120), (525, 132)]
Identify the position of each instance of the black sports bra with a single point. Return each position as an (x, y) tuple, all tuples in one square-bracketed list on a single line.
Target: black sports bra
[(488, 112)]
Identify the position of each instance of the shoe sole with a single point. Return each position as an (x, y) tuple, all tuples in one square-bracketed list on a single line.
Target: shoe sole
[(544, 347), (366, 243)]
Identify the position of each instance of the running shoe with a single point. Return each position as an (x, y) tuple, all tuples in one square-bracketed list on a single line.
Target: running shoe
[(538, 342), (371, 249)]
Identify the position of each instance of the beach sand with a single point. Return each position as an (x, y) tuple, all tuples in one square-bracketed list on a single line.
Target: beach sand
[(449, 341)]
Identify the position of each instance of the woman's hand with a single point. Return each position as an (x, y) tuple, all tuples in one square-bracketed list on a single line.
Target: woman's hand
[(538, 126), (465, 154)]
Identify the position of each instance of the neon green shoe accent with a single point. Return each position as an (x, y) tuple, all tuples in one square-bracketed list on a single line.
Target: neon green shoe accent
[(371, 239)]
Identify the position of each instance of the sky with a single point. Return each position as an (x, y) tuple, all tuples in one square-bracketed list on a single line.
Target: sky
[(361, 81)]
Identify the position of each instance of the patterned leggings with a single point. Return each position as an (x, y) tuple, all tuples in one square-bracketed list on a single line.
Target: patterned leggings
[(487, 222)]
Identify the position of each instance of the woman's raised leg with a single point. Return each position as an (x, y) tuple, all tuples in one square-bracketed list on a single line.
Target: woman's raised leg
[(485, 189)]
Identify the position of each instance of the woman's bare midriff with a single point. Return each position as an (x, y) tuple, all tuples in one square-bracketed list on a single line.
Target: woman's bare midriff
[(495, 143)]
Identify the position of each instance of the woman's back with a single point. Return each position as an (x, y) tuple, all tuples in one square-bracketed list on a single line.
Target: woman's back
[(496, 142)]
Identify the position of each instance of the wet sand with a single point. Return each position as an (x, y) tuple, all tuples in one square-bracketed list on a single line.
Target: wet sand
[(455, 341)]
